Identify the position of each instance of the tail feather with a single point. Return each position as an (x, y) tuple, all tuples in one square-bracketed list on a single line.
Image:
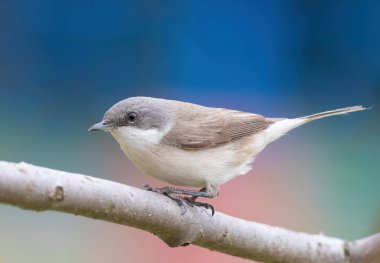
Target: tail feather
[(333, 112), (282, 126)]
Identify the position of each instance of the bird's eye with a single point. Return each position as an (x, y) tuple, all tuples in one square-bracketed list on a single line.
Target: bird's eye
[(132, 117)]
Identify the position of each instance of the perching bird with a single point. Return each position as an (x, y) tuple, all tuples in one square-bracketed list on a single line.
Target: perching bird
[(186, 144)]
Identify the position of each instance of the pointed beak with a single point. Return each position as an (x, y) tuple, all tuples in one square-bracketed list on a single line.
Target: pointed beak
[(99, 126)]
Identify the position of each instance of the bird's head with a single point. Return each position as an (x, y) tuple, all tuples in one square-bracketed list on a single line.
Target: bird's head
[(136, 115)]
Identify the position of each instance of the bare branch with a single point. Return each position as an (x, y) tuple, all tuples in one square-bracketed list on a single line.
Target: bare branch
[(366, 250), (38, 188)]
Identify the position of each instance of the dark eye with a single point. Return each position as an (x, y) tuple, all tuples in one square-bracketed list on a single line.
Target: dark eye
[(132, 117)]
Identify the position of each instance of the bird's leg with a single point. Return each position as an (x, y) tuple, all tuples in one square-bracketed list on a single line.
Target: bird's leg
[(210, 191), (193, 193), (179, 200), (169, 191), (192, 198)]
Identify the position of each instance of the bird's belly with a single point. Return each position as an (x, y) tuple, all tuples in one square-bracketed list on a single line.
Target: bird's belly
[(167, 168), (191, 168)]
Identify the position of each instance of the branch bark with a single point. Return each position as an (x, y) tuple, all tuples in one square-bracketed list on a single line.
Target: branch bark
[(37, 188)]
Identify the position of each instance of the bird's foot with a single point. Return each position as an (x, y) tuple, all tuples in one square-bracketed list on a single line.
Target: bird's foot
[(164, 191), (171, 190), (181, 201), (191, 201)]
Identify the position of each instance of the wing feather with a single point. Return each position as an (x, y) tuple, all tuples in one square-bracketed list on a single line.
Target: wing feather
[(214, 127)]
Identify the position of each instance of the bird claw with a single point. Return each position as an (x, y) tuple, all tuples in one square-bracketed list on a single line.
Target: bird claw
[(165, 191), (181, 204), (181, 201), (150, 188), (191, 201)]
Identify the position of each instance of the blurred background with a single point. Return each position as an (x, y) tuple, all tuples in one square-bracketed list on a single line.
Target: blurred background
[(64, 63)]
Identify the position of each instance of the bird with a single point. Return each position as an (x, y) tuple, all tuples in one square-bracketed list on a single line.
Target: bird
[(189, 145)]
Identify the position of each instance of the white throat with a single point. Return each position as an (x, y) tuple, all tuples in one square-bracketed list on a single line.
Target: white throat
[(136, 142), (137, 138)]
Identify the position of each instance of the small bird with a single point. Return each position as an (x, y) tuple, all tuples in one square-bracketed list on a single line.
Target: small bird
[(185, 144)]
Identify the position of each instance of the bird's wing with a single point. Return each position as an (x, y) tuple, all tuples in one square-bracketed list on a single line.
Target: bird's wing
[(214, 127)]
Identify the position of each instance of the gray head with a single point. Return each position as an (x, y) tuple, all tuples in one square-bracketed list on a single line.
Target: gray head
[(139, 112)]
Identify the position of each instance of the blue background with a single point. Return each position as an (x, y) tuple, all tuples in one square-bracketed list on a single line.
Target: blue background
[(64, 63)]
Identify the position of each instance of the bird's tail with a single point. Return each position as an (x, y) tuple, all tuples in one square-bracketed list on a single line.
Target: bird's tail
[(332, 113), (282, 126)]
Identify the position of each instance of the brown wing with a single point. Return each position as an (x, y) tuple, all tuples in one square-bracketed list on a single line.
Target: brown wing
[(214, 127)]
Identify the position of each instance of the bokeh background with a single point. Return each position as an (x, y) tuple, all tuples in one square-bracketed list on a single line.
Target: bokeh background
[(63, 63)]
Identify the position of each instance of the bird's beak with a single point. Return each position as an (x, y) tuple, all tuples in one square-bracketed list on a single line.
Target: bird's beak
[(100, 126)]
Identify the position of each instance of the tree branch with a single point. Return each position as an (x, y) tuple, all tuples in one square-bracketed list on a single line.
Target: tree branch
[(37, 188)]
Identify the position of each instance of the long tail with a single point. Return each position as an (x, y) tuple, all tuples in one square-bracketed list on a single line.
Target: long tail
[(333, 112), (282, 126)]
